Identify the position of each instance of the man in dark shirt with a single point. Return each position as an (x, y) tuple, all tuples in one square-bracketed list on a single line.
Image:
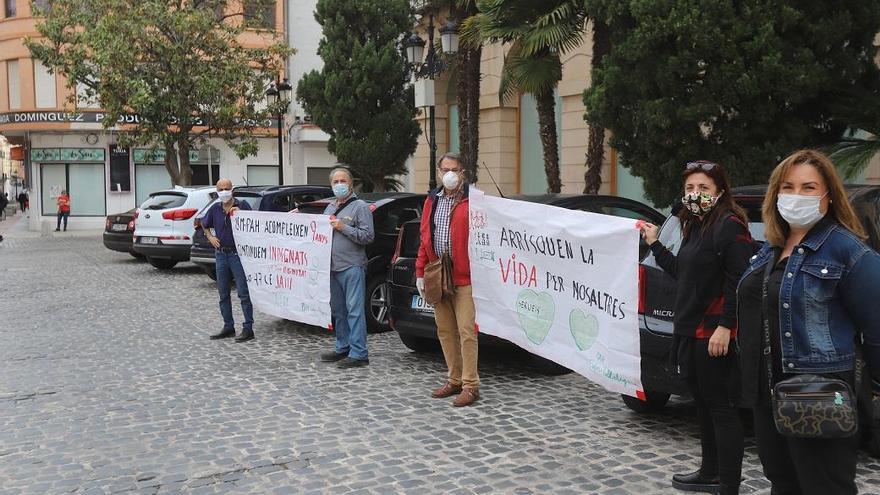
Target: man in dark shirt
[(228, 264)]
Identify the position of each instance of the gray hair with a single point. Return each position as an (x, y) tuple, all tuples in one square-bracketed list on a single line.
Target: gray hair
[(450, 156), (342, 169)]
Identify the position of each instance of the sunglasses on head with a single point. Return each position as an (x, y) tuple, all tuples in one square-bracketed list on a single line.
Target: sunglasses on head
[(707, 166)]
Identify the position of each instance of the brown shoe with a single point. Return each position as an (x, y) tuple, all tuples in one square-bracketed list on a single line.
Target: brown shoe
[(467, 397), (447, 390)]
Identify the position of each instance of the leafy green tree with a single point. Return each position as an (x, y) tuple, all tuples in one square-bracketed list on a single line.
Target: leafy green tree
[(739, 82), (538, 31), (362, 97), (178, 64), (860, 108)]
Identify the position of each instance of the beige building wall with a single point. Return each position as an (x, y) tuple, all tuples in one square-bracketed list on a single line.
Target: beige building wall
[(499, 124)]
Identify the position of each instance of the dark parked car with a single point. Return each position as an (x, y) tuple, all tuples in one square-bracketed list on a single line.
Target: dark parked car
[(390, 212), (414, 320), (118, 232), (262, 198)]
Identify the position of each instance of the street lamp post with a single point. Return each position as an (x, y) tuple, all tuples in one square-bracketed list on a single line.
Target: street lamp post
[(431, 67), (278, 95)]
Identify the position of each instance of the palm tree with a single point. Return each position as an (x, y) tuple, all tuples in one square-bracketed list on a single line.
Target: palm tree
[(860, 109), (538, 31)]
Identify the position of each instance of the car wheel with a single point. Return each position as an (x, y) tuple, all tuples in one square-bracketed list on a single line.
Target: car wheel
[(162, 263), (420, 344), (376, 305), (654, 401), (136, 255), (546, 366)]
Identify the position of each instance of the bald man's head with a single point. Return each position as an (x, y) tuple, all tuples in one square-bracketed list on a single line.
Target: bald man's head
[(224, 184)]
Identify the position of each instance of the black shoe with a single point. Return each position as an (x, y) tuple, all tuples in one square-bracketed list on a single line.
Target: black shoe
[(724, 489), (224, 334), (246, 335), (57, 230), (332, 356), (695, 482), (352, 363)]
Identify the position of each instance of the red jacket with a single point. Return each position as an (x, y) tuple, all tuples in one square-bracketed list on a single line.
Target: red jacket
[(459, 221)]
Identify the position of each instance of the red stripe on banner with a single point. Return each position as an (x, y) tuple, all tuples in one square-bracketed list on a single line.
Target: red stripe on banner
[(641, 395), (330, 327)]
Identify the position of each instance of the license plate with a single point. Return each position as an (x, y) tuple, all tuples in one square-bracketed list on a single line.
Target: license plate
[(119, 227), (149, 240), (420, 304)]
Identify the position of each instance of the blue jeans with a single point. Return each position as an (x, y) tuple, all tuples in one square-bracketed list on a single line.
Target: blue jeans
[(347, 289), (62, 215), (228, 267)]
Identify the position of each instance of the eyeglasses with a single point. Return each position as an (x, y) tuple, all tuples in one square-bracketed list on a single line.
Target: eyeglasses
[(707, 166)]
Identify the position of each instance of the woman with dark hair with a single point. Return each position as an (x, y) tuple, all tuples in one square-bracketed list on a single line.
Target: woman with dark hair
[(714, 252), (812, 284)]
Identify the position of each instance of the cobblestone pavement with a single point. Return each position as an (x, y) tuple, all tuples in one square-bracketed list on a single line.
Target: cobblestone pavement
[(109, 384)]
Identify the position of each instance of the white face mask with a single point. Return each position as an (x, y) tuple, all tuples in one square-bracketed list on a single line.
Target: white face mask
[(224, 195), (451, 180), (801, 212)]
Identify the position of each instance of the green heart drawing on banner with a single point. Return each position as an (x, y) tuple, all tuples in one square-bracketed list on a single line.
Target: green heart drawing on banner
[(535, 312), (584, 329)]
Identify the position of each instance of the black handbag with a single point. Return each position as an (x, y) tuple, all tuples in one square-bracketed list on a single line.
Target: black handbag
[(808, 405)]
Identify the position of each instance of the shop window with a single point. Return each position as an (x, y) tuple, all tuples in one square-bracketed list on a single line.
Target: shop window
[(149, 178), (204, 175), (318, 176), (84, 182), (9, 8), (262, 175)]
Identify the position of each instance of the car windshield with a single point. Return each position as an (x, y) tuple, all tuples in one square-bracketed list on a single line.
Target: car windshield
[(164, 200)]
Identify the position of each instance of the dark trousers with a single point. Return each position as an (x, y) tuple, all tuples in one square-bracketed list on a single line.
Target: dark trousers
[(62, 215), (801, 466), (712, 381)]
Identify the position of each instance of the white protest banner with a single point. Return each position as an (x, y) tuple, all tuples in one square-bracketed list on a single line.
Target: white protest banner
[(286, 257), (559, 283)]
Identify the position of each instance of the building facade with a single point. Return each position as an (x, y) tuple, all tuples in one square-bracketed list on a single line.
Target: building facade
[(65, 148)]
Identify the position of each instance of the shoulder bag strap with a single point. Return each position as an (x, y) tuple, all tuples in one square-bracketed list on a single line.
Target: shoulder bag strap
[(343, 205), (765, 305)]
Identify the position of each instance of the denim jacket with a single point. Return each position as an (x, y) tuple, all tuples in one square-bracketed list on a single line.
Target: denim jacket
[(829, 293)]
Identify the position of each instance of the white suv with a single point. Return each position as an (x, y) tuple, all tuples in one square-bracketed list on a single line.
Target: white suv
[(163, 226)]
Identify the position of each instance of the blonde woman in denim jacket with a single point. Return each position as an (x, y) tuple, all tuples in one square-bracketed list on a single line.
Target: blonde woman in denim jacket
[(821, 304)]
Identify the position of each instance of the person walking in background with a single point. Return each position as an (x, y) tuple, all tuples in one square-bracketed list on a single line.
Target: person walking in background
[(22, 201), (352, 223), (714, 252), (227, 263), (444, 233), (4, 202), (815, 284), (63, 210)]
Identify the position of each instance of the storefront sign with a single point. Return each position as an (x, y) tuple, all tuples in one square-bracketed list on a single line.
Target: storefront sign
[(286, 258), (559, 283), (44, 155), (142, 155), (92, 118)]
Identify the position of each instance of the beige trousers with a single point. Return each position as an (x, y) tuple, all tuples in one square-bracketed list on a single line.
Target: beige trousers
[(456, 329)]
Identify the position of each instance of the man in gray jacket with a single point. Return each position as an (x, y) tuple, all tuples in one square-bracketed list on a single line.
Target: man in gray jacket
[(352, 223)]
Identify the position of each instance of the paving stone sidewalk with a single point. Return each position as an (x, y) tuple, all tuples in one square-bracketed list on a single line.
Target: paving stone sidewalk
[(109, 384)]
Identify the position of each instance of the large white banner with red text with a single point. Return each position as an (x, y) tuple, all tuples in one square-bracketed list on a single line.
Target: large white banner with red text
[(559, 283), (286, 257)]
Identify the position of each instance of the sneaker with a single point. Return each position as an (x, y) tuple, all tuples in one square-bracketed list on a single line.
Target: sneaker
[(352, 363), (332, 357)]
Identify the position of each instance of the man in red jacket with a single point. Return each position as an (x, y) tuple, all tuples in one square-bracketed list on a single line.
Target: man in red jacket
[(444, 229)]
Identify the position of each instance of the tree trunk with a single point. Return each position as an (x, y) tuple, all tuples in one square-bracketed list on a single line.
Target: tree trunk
[(596, 144), (171, 162), (183, 157), (469, 109), (546, 104)]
